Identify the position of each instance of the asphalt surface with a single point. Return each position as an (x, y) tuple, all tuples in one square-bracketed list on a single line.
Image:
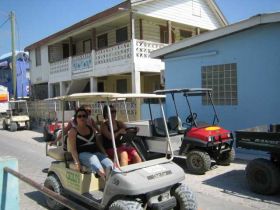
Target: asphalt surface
[(219, 189)]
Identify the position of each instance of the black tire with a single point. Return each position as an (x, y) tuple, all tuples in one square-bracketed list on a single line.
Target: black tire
[(5, 127), (185, 198), (198, 162), (125, 205), (263, 176), (226, 158), (13, 127), (53, 184)]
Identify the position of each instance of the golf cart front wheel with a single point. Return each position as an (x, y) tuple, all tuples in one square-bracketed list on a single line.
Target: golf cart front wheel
[(226, 158), (13, 127), (198, 162), (125, 205), (28, 125), (53, 184), (185, 198)]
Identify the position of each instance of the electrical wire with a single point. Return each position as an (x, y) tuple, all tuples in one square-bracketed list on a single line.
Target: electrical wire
[(4, 22)]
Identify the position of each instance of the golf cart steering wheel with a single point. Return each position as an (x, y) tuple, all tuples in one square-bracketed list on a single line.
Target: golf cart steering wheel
[(191, 118), (129, 136)]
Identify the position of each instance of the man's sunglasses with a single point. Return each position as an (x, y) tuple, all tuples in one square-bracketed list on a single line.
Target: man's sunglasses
[(88, 110)]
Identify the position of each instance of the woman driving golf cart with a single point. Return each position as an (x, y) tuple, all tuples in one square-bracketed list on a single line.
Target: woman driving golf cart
[(83, 148), (126, 154)]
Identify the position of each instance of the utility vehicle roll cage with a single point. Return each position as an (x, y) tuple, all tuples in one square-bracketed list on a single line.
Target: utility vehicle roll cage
[(189, 92)]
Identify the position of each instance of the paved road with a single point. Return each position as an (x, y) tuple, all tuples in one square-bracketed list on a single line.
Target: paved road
[(221, 188)]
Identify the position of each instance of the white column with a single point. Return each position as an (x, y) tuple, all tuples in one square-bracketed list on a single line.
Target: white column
[(136, 82), (61, 89), (93, 84), (50, 93)]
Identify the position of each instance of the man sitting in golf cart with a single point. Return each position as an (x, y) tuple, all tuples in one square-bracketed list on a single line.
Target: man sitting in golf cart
[(126, 154), (72, 124)]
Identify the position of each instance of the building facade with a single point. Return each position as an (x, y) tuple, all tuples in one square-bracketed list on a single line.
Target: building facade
[(110, 51), (239, 62)]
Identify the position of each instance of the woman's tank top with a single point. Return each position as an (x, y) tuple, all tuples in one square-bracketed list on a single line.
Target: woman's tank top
[(86, 143)]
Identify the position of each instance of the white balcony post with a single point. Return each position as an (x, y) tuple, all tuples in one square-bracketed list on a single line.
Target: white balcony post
[(70, 66), (50, 95), (61, 89), (93, 60), (93, 84)]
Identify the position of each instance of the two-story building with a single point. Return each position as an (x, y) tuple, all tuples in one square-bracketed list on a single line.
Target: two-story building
[(110, 51)]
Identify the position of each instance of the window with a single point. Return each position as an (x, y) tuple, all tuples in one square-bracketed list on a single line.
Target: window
[(121, 35), (102, 41), (38, 56), (65, 50), (164, 35), (87, 46), (223, 80), (121, 86), (185, 34)]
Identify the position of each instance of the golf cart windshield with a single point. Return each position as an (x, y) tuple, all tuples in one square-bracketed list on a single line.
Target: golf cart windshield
[(17, 108), (194, 104), (109, 98)]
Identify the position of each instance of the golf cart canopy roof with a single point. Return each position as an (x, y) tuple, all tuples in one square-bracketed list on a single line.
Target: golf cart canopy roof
[(18, 101), (106, 96), (185, 91)]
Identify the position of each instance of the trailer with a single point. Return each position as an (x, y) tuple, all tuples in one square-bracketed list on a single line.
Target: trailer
[(263, 175)]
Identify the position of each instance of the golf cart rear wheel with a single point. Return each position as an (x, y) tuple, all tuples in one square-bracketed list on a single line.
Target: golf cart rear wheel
[(263, 176), (185, 198), (226, 158), (53, 184), (27, 125), (125, 205), (198, 162), (5, 127), (13, 127)]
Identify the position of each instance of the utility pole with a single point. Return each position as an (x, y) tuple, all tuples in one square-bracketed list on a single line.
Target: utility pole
[(14, 69)]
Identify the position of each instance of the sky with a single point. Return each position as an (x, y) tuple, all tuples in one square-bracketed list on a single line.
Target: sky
[(37, 19)]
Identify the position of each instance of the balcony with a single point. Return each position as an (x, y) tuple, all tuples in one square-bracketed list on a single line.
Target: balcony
[(116, 59)]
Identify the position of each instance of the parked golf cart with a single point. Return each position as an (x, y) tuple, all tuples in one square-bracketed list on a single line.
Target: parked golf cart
[(153, 184), (54, 121), (17, 116), (195, 141)]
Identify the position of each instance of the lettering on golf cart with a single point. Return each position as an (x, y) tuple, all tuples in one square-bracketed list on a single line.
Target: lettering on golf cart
[(155, 169), (73, 179), (158, 175), (116, 182)]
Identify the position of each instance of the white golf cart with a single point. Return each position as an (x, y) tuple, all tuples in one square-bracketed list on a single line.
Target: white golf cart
[(17, 116), (153, 184)]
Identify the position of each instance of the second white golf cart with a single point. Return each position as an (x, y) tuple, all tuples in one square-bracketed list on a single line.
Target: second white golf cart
[(153, 184), (17, 116)]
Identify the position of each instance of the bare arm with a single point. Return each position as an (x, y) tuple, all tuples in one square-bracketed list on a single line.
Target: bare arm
[(72, 147), (99, 143), (94, 126)]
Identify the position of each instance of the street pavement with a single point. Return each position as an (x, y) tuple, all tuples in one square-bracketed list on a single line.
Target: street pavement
[(221, 188)]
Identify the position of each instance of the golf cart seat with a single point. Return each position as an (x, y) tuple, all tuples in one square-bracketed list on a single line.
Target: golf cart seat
[(159, 128), (59, 154), (175, 124)]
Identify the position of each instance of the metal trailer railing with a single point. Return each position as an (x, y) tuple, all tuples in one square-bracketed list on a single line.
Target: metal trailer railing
[(59, 198)]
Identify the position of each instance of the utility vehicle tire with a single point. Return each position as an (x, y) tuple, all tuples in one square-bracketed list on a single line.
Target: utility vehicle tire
[(184, 197), (198, 162), (53, 184), (226, 158), (5, 127), (263, 176), (125, 205), (13, 127)]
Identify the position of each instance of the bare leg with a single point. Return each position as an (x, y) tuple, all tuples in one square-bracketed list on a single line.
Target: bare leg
[(136, 158), (123, 156)]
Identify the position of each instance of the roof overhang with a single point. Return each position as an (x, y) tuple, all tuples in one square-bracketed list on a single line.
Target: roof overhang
[(218, 33)]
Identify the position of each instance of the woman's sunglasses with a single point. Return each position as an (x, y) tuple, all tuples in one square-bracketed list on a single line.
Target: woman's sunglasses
[(82, 116)]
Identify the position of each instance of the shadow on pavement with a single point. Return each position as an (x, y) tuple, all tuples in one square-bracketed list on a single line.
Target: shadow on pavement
[(38, 197), (39, 139), (234, 183)]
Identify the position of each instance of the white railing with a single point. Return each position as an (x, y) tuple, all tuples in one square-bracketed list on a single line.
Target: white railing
[(59, 66), (144, 48), (115, 53), (81, 63)]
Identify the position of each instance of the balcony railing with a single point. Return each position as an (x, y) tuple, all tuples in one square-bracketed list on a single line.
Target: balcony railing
[(144, 48), (59, 66), (82, 63), (87, 62), (115, 53)]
